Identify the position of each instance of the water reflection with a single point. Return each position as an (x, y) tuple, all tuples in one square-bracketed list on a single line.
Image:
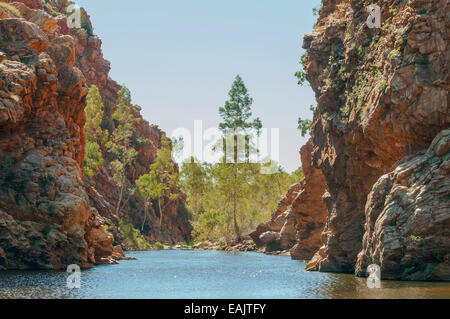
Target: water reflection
[(347, 286), (209, 274)]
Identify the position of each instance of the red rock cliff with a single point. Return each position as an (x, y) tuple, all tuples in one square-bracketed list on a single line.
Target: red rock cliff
[(102, 191), (383, 95), (48, 213), (46, 220)]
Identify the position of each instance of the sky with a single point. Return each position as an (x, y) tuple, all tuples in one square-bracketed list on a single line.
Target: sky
[(179, 59)]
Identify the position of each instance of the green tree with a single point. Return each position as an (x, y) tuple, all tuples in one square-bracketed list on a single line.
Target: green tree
[(94, 115), (305, 125), (301, 75), (93, 158), (195, 181), (120, 142), (162, 179), (149, 188), (236, 124)]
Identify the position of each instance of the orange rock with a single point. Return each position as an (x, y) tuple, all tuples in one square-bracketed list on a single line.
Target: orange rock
[(382, 95)]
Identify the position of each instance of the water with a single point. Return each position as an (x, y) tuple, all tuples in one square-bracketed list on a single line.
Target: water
[(208, 274)]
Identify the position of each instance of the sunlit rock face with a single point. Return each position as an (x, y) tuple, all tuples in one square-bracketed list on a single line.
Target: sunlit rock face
[(48, 208), (46, 217), (382, 96), (407, 230), (77, 56)]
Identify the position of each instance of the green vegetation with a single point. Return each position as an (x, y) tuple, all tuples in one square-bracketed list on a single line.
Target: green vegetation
[(417, 239), (161, 180), (235, 169), (196, 180), (132, 237), (231, 197), (11, 9), (93, 158), (305, 125), (95, 136), (301, 75), (210, 198), (125, 117)]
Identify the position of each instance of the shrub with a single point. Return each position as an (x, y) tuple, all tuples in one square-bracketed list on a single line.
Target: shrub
[(301, 75), (93, 158), (305, 125), (10, 9), (132, 237), (416, 239)]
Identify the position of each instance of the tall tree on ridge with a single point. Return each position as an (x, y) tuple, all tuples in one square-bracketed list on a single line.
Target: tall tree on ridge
[(236, 114)]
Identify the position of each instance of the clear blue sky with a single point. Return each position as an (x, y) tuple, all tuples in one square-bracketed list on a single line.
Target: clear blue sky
[(179, 59)]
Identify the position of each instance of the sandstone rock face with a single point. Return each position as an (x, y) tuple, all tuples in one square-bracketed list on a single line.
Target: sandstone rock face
[(309, 209), (45, 215), (382, 95), (407, 229), (87, 56), (300, 217), (101, 188)]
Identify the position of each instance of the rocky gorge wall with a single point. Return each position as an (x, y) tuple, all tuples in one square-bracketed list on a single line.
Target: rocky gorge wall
[(51, 215), (102, 190), (382, 98)]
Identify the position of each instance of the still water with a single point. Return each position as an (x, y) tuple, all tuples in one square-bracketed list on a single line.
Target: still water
[(208, 274)]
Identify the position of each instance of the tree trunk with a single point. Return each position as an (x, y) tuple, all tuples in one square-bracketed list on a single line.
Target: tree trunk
[(122, 187), (236, 226), (160, 212), (145, 217)]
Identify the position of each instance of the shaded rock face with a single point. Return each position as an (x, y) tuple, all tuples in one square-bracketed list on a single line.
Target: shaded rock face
[(300, 217), (407, 230), (382, 95), (46, 220), (309, 209)]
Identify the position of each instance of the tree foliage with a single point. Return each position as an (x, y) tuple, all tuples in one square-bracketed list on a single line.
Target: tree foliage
[(231, 197), (162, 179), (305, 125), (95, 136), (120, 141), (301, 75), (209, 193)]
